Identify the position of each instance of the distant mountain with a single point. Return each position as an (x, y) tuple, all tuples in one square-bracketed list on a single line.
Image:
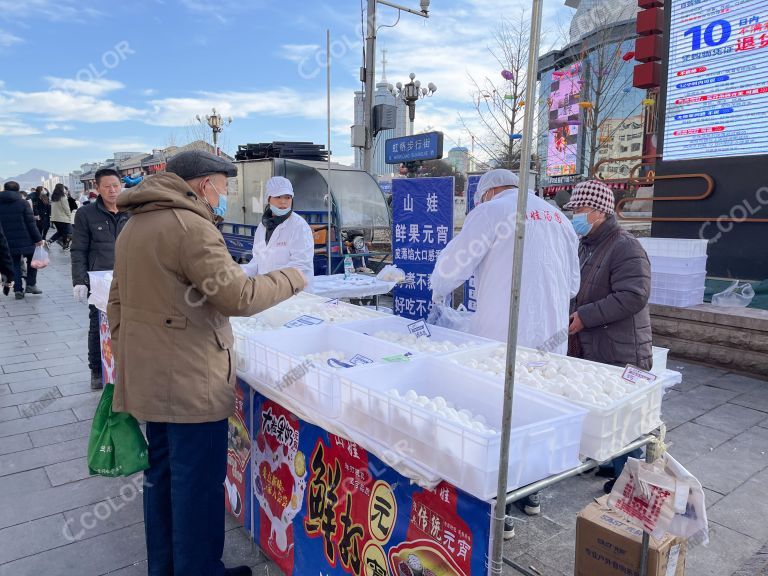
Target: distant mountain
[(30, 178)]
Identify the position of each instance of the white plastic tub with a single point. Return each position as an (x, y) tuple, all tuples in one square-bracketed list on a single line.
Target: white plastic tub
[(678, 282), (545, 434), (680, 247), (607, 429), (678, 264), (677, 298), (279, 360), (659, 360), (440, 341)]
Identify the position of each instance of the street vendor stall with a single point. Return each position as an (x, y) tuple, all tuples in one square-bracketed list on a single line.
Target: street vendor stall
[(364, 443)]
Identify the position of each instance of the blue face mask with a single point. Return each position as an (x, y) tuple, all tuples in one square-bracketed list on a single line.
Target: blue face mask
[(221, 209), (581, 225), (279, 211)]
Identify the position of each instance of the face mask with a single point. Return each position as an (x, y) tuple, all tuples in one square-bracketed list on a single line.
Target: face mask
[(279, 211), (221, 209), (580, 224)]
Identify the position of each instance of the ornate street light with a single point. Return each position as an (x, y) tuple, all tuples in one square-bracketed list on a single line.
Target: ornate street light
[(410, 93), (216, 123)]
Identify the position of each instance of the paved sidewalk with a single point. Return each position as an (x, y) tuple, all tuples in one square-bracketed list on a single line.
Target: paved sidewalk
[(57, 521)]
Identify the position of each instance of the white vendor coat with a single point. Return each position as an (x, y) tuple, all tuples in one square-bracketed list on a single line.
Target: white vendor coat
[(291, 245), (550, 273)]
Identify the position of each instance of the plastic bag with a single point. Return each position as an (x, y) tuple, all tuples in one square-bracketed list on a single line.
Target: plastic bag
[(735, 296), (40, 258), (116, 446), (446, 317), (391, 273), (663, 496)]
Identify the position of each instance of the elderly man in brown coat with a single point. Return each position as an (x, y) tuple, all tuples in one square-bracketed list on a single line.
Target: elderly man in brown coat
[(174, 287)]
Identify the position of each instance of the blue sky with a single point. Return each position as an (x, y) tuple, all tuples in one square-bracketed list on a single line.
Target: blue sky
[(81, 79)]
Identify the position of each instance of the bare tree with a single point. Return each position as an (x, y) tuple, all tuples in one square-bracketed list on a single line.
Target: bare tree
[(607, 84)]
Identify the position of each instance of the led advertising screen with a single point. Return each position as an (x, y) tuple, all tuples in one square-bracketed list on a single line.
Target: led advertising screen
[(564, 121), (717, 79)]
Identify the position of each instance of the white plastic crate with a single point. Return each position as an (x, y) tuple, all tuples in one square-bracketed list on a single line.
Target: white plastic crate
[(678, 298), (606, 429), (678, 264), (678, 282), (545, 434), (278, 359), (659, 360), (674, 247), (440, 341)]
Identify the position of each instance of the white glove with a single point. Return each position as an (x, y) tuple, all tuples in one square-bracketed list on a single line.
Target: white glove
[(80, 293)]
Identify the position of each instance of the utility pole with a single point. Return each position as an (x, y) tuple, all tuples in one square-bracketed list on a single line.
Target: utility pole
[(368, 72)]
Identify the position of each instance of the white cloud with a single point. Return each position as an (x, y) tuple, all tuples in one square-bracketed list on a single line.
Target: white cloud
[(59, 143), (149, 92), (53, 10), (279, 102), (54, 126), (11, 127), (298, 52), (8, 39), (60, 106), (93, 87)]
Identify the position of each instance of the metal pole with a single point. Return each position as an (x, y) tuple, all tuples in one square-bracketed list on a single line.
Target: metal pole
[(370, 69), (328, 111), (215, 142), (514, 309), (650, 456)]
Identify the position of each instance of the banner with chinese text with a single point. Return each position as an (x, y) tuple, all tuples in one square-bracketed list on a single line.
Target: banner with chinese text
[(323, 505), (237, 483), (422, 215)]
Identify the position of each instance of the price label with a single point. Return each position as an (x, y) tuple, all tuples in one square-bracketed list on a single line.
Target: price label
[(359, 359), (303, 321), (637, 376), (419, 328)]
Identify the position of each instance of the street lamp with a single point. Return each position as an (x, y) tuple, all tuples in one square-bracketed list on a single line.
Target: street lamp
[(216, 124), (410, 93)]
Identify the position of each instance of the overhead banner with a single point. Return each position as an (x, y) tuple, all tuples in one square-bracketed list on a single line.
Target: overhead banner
[(717, 87), (323, 505), (564, 121), (422, 220)]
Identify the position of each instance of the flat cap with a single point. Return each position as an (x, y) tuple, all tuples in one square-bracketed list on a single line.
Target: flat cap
[(196, 163)]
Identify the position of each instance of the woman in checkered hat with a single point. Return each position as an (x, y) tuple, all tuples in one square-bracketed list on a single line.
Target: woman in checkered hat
[(610, 320)]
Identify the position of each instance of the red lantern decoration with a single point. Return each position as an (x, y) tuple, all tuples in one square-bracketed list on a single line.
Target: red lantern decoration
[(628, 56)]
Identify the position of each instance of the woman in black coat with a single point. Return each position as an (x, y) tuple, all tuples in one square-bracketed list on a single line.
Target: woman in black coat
[(41, 207)]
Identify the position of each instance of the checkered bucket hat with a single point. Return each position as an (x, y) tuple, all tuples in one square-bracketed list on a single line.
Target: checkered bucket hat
[(593, 194)]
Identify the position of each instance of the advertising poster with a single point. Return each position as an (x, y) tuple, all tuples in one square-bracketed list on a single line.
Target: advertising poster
[(564, 120), (470, 300), (107, 358), (422, 217), (236, 485), (323, 505), (717, 86)]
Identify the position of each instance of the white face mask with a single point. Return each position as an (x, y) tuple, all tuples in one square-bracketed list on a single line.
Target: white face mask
[(279, 211)]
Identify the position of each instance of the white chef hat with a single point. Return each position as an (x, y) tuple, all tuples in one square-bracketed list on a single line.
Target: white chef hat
[(277, 186), (494, 179)]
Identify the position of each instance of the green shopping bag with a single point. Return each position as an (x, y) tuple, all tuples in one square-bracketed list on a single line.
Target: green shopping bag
[(116, 446)]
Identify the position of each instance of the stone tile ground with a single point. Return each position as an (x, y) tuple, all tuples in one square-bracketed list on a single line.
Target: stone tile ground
[(55, 520)]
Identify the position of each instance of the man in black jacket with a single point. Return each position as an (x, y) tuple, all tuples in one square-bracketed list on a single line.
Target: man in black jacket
[(93, 248), (22, 236)]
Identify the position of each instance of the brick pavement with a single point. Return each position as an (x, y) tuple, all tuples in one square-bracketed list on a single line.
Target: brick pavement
[(56, 520)]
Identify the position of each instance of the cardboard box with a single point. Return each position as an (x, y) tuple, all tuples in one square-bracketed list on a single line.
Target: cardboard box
[(607, 544)]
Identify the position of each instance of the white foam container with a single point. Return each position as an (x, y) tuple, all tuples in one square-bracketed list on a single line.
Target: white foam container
[(545, 431), (273, 355), (680, 247), (606, 429), (659, 360), (400, 325)]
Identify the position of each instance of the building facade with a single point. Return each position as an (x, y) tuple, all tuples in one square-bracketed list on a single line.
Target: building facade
[(588, 109)]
